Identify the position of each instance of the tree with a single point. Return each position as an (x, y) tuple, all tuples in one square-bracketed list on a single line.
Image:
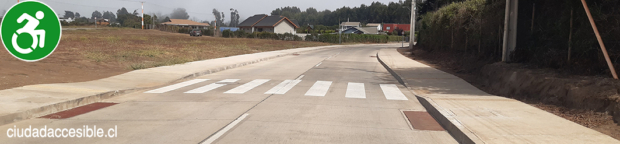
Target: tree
[(167, 19), (127, 19), (109, 15), (69, 14), (234, 17), (223, 18), (218, 17), (77, 15), (96, 14), (179, 13)]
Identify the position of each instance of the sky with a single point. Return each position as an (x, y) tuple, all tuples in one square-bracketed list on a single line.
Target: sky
[(197, 9)]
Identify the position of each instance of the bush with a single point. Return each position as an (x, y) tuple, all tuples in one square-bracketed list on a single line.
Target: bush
[(228, 34)]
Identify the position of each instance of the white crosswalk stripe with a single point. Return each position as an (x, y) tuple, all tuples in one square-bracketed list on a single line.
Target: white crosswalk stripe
[(176, 86), (392, 92), (319, 88), (247, 87), (212, 86), (283, 87), (355, 90)]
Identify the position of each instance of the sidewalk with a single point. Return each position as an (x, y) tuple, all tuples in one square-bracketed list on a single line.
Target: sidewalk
[(473, 116), (38, 100)]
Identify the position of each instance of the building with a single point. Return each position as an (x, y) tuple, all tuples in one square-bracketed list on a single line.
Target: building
[(274, 24), (66, 19), (309, 28), (233, 29), (378, 25), (348, 25), (186, 24), (361, 30), (103, 22), (391, 27)]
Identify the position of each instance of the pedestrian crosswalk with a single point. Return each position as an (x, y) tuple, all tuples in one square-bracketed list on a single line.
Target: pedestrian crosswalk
[(318, 89)]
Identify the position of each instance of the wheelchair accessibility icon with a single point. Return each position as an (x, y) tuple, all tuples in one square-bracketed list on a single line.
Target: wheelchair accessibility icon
[(30, 31)]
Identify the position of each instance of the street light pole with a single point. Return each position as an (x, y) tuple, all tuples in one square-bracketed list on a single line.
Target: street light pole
[(412, 25)]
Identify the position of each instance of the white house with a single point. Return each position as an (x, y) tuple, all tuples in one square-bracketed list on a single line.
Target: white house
[(66, 19), (274, 24), (347, 25), (378, 25)]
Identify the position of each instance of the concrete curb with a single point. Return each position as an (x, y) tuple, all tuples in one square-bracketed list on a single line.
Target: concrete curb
[(456, 132), (69, 104)]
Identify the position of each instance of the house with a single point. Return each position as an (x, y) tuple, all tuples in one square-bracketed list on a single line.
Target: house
[(361, 30), (347, 25), (309, 28), (391, 27), (263, 23), (103, 22), (66, 19), (186, 24), (378, 25)]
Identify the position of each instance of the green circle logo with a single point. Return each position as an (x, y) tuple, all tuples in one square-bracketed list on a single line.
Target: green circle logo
[(30, 31)]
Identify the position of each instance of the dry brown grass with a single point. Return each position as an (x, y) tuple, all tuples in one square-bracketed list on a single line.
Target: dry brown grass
[(84, 55)]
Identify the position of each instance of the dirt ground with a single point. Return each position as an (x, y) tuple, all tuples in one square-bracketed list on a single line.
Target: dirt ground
[(468, 68), (85, 55)]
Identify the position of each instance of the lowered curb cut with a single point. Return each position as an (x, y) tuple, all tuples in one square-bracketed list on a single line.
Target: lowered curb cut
[(73, 103), (459, 135)]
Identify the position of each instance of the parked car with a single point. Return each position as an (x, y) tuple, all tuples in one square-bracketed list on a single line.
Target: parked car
[(195, 32)]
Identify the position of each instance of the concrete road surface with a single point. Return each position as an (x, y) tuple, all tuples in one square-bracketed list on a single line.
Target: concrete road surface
[(337, 95)]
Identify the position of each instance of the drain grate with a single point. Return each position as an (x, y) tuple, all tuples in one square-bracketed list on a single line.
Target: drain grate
[(78, 111), (422, 121)]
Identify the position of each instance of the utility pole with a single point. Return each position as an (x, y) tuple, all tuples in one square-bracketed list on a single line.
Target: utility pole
[(142, 14), (413, 21), (510, 30)]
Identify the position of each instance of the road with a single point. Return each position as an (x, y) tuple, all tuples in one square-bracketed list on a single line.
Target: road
[(337, 95)]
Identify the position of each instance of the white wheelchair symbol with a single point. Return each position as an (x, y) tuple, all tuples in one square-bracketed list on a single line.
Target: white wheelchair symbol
[(30, 29)]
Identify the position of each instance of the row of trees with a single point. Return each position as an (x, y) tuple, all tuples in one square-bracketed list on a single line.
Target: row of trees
[(393, 12), (124, 18)]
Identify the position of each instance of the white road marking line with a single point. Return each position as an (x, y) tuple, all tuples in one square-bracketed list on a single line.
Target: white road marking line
[(299, 78), (211, 86), (247, 87), (176, 86), (283, 87), (392, 92), (223, 131), (319, 88), (317, 65), (355, 90)]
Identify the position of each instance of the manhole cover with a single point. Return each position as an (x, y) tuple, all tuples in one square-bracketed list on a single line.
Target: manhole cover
[(422, 121), (78, 111)]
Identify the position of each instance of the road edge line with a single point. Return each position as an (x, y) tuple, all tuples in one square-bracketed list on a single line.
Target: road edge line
[(222, 131)]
